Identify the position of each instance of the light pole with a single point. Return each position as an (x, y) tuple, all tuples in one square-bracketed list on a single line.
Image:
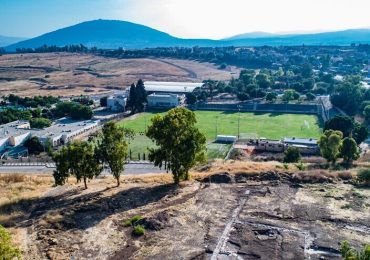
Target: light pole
[(144, 117), (216, 126), (238, 121)]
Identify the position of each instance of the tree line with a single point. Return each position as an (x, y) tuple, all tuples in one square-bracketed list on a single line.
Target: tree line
[(179, 146)]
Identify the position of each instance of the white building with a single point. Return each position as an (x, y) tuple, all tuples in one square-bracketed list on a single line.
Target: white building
[(171, 87), (117, 103), (61, 132), (163, 100), (14, 134)]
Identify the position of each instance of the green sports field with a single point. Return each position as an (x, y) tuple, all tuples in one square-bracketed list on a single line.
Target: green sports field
[(212, 123)]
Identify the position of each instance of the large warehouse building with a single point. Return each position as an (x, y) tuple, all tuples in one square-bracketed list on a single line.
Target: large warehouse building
[(179, 88), (62, 131)]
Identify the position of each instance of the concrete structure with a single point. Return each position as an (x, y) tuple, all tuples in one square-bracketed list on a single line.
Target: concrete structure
[(65, 130), (171, 87), (14, 134), (117, 103), (269, 146), (305, 146), (163, 100), (226, 138), (62, 131), (300, 141)]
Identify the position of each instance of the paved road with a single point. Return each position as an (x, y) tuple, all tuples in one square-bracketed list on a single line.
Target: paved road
[(130, 169)]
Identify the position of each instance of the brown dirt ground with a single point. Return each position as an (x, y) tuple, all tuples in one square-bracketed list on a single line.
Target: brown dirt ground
[(233, 210), (66, 74)]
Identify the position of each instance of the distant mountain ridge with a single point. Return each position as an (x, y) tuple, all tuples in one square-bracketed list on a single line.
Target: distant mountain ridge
[(112, 34), (7, 40)]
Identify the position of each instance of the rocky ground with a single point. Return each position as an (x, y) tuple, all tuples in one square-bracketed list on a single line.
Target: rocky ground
[(224, 215)]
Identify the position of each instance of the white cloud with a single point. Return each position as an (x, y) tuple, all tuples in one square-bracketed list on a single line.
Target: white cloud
[(222, 18)]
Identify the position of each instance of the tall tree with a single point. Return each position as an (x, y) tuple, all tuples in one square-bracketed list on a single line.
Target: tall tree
[(113, 149), (78, 159), (180, 145), (349, 150), (329, 144), (141, 95), (132, 98)]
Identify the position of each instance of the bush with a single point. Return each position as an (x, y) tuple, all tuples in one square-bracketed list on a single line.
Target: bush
[(132, 221), (34, 145), (138, 230), (364, 176), (7, 250), (292, 155), (350, 253)]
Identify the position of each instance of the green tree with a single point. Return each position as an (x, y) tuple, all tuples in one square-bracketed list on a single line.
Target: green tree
[(330, 143), (103, 101), (367, 113), (271, 96), (180, 145), (289, 95), (364, 176), (132, 98), (7, 250), (292, 155), (348, 95), (113, 149), (40, 123), (349, 150), (34, 145), (310, 96), (78, 159), (191, 98), (141, 95), (264, 80), (348, 127)]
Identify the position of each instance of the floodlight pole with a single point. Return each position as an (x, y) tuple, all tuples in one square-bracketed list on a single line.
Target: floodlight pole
[(238, 121), (144, 117), (216, 126)]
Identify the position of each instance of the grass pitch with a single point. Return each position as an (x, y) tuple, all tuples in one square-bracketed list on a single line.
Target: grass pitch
[(213, 123)]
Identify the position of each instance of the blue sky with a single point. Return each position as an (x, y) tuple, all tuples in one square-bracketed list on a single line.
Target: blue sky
[(187, 18)]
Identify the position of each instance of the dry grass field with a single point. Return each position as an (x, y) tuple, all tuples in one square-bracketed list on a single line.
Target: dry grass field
[(67, 74), (228, 208)]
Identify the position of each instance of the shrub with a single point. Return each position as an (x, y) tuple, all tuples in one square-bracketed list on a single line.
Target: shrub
[(350, 253), (364, 176), (292, 155), (7, 250), (301, 166), (132, 221), (138, 230)]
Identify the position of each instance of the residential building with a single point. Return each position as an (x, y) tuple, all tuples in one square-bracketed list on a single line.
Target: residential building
[(117, 103)]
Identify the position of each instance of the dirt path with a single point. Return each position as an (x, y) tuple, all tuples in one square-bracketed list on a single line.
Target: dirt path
[(191, 73)]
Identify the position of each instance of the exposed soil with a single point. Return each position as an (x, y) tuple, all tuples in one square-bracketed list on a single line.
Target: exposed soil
[(271, 215), (75, 74)]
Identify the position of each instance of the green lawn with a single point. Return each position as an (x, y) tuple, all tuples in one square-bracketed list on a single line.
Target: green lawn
[(273, 126)]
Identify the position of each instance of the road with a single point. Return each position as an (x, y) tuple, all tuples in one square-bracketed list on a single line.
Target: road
[(130, 169)]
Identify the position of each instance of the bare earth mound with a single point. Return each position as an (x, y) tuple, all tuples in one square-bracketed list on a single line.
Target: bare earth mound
[(61, 74), (253, 211)]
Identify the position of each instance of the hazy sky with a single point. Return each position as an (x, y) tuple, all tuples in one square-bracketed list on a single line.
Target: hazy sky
[(187, 18)]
